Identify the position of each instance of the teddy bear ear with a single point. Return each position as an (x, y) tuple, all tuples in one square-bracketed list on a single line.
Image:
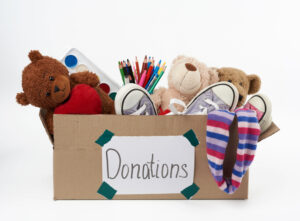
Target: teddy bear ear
[(22, 99), (254, 83), (178, 58), (214, 75), (220, 72), (35, 55)]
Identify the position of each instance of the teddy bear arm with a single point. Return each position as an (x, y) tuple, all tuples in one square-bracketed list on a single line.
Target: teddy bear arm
[(157, 96), (108, 105), (85, 77)]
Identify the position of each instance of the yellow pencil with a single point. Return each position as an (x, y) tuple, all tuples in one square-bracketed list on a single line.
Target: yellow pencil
[(161, 68)]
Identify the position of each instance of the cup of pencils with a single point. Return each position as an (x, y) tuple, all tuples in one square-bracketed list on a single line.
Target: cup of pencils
[(147, 78)]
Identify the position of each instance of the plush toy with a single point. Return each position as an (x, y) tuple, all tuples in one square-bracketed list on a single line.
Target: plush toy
[(186, 78), (47, 84), (246, 84)]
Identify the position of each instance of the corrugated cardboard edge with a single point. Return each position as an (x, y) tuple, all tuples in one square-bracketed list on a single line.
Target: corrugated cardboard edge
[(269, 132)]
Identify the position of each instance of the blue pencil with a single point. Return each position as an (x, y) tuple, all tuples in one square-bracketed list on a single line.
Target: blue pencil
[(153, 75)]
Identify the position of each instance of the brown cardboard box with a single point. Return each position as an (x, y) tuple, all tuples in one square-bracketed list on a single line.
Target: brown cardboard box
[(77, 158)]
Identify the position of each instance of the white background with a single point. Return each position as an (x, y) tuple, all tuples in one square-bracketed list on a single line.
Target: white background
[(259, 37)]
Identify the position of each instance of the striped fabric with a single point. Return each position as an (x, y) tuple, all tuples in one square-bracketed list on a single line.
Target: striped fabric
[(218, 123)]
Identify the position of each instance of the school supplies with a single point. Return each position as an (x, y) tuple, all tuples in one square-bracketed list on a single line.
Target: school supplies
[(137, 69), (156, 81), (128, 65), (149, 75), (153, 75), (122, 72), (143, 78)]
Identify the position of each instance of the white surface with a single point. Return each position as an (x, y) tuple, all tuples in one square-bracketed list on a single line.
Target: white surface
[(152, 157), (257, 36)]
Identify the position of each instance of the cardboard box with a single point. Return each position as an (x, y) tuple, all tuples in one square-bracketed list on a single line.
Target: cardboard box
[(77, 158)]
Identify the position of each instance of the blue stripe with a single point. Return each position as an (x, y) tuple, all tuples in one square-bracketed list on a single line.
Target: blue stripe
[(237, 173), (217, 136), (215, 147), (247, 119), (243, 163), (215, 166), (248, 137), (218, 178), (247, 146)]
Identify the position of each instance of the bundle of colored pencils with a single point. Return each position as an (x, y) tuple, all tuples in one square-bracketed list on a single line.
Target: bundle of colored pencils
[(149, 75)]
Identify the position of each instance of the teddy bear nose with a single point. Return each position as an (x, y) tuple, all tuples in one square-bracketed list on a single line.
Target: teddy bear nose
[(190, 67), (56, 89)]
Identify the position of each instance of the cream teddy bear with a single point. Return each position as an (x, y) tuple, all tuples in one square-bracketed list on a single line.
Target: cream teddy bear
[(186, 78)]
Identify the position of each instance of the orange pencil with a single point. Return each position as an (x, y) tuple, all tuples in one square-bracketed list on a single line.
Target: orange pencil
[(137, 66), (148, 75)]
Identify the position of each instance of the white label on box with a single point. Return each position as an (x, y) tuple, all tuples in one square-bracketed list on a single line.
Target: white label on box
[(148, 164)]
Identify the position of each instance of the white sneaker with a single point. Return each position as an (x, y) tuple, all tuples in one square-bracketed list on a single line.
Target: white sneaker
[(261, 104), (133, 99), (218, 96)]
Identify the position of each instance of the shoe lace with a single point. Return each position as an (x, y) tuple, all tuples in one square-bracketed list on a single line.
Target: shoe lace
[(203, 110), (140, 110)]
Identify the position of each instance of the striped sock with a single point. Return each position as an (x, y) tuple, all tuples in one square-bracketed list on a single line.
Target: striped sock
[(249, 131), (217, 139), (217, 136)]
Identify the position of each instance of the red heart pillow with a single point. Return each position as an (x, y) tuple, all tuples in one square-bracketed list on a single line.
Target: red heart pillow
[(83, 99)]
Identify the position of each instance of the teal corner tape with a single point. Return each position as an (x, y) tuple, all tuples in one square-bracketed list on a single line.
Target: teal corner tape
[(106, 190), (191, 136), (190, 191), (104, 138)]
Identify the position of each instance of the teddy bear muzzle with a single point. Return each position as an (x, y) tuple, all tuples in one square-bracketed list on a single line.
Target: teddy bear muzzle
[(60, 89)]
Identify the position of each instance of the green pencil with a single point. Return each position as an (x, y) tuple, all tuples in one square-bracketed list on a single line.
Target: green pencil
[(122, 72), (157, 80)]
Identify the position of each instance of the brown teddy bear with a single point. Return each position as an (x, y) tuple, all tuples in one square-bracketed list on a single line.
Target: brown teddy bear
[(246, 84), (47, 84), (186, 78)]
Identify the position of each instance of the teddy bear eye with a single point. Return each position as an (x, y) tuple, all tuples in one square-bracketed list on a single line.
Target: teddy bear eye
[(241, 83), (47, 94), (230, 81), (51, 78)]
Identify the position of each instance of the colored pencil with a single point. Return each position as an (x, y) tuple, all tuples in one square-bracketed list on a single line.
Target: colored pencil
[(148, 75), (161, 68), (137, 66), (144, 66), (122, 72), (149, 63), (126, 75), (135, 75), (130, 71), (153, 75), (143, 78), (157, 80)]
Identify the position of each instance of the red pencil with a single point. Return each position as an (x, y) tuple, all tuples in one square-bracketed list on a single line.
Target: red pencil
[(148, 75), (137, 66)]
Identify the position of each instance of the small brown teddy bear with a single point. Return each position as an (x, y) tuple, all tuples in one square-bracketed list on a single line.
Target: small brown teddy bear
[(186, 78), (246, 84), (46, 84)]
